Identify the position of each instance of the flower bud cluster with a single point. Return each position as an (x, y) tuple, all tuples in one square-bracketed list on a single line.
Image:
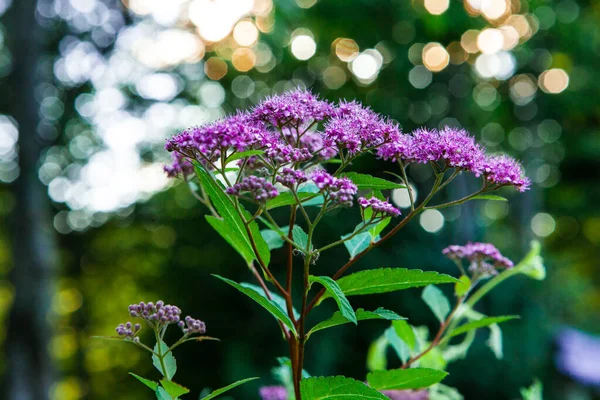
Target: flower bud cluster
[(340, 190), (379, 207), (484, 258), (258, 188), (192, 325)]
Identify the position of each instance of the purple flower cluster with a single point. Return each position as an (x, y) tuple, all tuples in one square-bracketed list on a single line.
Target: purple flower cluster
[(379, 207), (297, 107), (259, 188), (192, 325), (340, 190), (179, 166), (159, 312), (290, 177), (485, 258), (357, 128), (286, 128), (273, 393), (128, 330), (504, 170)]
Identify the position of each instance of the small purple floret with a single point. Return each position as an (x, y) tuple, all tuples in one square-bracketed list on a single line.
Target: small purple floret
[(485, 258), (258, 188)]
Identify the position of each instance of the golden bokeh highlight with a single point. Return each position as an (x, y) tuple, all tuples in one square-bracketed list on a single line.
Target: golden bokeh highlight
[(303, 46), (490, 40), (554, 80), (243, 59), (346, 49), (458, 55), (521, 25), (511, 37), (522, 87), (215, 68), (468, 41), (435, 57), (334, 77), (495, 9), (436, 7), (306, 3), (245, 33)]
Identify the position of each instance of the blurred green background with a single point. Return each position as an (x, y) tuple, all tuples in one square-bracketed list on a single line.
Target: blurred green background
[(90, 89)]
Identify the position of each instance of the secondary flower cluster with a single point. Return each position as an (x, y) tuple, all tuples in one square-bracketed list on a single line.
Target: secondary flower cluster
[(340, 190), (280, 393), (159, 315), (379, 207), (289, 133), (484, 258)]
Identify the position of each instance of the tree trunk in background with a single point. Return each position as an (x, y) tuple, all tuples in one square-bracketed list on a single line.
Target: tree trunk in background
[(29, 371)]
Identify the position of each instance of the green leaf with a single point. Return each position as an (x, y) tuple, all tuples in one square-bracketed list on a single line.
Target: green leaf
[(235, 231), (495, 341), (533, 392), (397, 344), (235, 240), (400, 379), (492, 197), (300, 237), (168, 360), (384, 280), (267, 304), (361, 315), (364, 181), (151, 384), (358, 243), (272, 238), (379, 227), (337, 388), (406, 333), (334, 291), (243, 154), (443, 392), (462, 287), (277, 299), (288, 199), (174, 389), (162, 394), (437, 302), (532, 264), (376, 356), (482, 323), (227, 388)]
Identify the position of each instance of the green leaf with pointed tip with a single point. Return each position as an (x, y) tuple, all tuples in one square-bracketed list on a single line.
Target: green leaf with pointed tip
[(384, 280), (533, 392), (358, 243), (151, 384), (406, 333), (401, 379), (236, 229), (399, 346), (364, 181), (227, 388), (288, 199), (280, 301), (492, 197), (482, 323), (334, 291), (300, 237), (377, 229), (168, 360), (267, 304), (174, 389), (437, 302), (461, 288), (272, 238), (361, 315), (243, 154), (337, 388)]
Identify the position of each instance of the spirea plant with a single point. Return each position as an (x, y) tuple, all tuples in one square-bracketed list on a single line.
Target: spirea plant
[(270, 176)]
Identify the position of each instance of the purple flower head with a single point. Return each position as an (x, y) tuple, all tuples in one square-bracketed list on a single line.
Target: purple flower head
[(402, 148), (157, 313), (273, 393), (298, 107), (406, 394), (179, 166), (425, 146), (290, 177), (505, 170), (484, 258), (340, 190), (460, 150), (259, 188), (128, 330), (207, 143), (192, 325), (379, 207), (355, 128)]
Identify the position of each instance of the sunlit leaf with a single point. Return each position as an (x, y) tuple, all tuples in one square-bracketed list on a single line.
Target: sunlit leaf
[(334, 291), (364, 181), (358, 243), (227, 388), (243, 154), (401, 379), (337, 388), (361, 315), (437, 302), (151, 384), (492, 197), (170, 365), (174, 389), (482, 323)]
